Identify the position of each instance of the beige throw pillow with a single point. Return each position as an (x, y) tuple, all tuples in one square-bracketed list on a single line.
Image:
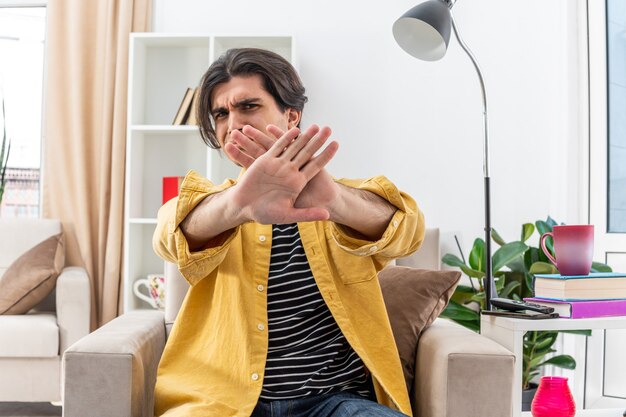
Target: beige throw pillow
[(414, 299), (32, 276)]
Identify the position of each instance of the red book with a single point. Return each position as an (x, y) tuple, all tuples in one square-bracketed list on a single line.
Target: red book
[(583, 309), (171, 186)]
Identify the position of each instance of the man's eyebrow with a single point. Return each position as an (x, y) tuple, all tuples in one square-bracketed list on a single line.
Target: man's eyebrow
[(217, 110), (240, 103), (246, 101)]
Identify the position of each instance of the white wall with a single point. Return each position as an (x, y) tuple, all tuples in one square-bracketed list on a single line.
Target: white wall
[(420, 123)]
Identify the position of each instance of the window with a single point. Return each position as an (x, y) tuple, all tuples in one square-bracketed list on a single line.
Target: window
[(605, 386), (22, 36), (616, 87)]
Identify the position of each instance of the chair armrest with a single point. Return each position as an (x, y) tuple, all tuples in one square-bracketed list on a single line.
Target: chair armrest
[(460, 373), (112, 371), (73, 305)]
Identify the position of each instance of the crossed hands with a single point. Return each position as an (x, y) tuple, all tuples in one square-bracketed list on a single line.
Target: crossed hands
[(284, 182)]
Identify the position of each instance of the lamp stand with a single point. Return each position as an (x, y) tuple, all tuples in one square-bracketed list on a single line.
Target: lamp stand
[(488, 282)]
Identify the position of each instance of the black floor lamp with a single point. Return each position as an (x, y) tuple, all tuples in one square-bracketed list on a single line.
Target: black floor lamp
[(423, 32)]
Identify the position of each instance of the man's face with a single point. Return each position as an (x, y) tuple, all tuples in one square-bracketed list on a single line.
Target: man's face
[(243, 101)]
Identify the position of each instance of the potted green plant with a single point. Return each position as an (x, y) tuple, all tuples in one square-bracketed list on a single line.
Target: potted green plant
[(514, 264), (4, 153)]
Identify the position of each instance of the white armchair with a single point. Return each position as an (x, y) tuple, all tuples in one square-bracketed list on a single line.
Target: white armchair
[(32, 344), (112, 372)]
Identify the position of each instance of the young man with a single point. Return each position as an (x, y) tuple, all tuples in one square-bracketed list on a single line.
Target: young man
[(284, 316)]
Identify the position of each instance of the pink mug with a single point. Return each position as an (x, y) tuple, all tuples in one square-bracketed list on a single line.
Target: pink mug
[(573, 248)]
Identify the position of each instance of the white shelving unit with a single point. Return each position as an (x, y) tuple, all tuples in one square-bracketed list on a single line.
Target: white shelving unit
[(161, 68)]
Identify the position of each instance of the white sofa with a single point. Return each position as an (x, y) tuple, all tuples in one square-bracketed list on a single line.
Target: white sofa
[(32, 344)]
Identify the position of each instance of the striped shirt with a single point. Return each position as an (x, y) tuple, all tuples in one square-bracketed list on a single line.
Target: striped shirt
[(308, 354)]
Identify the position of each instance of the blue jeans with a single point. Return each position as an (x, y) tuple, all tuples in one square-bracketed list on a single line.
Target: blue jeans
[(329, 405)]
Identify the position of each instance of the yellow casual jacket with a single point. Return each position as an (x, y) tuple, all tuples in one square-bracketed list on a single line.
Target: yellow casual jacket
[(214, 359)]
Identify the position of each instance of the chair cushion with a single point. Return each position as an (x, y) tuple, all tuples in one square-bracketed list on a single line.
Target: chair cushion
[(414, 299), (17, 235), (32, 276), (29, 336)]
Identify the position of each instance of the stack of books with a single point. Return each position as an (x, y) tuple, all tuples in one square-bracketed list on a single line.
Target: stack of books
[(601, 294), (186, 114)]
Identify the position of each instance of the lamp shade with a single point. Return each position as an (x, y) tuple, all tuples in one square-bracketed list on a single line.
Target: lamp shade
[(424, 31)]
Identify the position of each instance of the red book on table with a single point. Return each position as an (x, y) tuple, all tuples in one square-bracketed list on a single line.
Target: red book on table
[(171, 185)]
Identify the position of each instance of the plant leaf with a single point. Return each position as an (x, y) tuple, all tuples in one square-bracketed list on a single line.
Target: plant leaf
[(551, 221), (508, 288), (542, 268), (4, 153), (530, 257), (463, 294), (465, 289), (452, 260), (472, 272), (462, 315), (600, 267), (546, 334), (578, 332), (507, 253), (543, 227), (562, 361), (527, 231), (499, 283), (457, 312), (497, 238), (537, 360), (530, 284), (479, 297), (544, 344), (542, 256), (477, 255), (516, 265)]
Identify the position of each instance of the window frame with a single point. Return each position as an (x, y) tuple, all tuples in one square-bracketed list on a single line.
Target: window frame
[(6, 4), (608, 246)]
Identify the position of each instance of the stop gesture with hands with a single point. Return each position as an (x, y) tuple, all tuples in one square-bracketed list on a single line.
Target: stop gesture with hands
[(285, 181)]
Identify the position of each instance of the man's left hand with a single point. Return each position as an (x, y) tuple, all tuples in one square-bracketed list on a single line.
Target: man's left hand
[(320, 191)]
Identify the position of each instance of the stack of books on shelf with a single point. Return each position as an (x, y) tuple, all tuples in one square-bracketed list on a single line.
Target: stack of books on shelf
[(186, 114), (600, 294)]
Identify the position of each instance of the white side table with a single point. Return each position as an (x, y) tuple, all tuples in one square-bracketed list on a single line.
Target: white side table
[(509, 332)]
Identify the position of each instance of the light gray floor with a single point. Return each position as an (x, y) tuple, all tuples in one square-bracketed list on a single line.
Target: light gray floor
[(29, 410)]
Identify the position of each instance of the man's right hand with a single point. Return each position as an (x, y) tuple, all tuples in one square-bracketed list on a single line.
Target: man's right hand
[(268, 190), (276, 174)]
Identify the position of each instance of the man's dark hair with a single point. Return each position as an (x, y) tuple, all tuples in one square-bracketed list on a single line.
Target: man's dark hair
[(280, 80)]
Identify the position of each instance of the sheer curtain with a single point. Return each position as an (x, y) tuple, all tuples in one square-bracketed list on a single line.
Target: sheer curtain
[(85, 135)]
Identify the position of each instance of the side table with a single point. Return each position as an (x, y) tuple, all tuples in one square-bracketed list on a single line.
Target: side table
[(509, 332)]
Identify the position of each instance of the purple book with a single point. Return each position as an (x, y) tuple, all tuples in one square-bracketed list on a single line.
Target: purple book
[(583, 309)]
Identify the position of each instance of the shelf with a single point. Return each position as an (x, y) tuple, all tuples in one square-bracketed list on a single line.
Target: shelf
[(162, 67), (152, 156), (170, 40)]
